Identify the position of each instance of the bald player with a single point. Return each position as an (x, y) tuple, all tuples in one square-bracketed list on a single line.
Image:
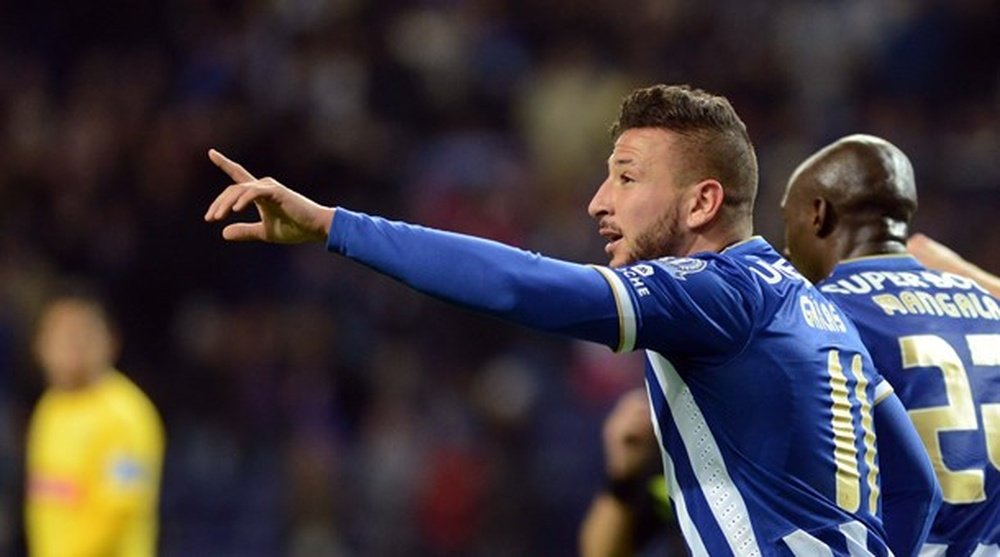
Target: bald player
[(935, 336)]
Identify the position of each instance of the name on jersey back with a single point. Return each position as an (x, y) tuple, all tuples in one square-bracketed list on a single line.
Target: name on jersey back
[(919, 293)]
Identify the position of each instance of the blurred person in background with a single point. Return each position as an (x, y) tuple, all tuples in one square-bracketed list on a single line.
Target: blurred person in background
[(690, 283), (935, 255), (934, 336), (95, 443), (632, 512)]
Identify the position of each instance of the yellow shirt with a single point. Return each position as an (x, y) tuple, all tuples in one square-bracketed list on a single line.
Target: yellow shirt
[(94, 462)]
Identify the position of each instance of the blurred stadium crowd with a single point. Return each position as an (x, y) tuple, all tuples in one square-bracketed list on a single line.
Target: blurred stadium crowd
[(313, 408)]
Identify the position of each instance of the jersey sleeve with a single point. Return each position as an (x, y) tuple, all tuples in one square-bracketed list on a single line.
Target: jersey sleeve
[(509, 283), (911, 495), (685, 307), (680, 306)]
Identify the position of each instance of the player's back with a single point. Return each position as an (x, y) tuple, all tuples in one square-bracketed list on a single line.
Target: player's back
[(936, 338), (771, 445)]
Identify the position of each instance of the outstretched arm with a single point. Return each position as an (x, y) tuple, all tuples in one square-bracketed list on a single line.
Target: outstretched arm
[(641, 306), (936, 255), (526, 288)]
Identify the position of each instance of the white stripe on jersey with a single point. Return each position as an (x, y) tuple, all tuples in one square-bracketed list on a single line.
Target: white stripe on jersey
[(857, 538), (882, 390), (724, 499), (986, 551), (691, 535), (802, 544), (626, 312), (933, 550)]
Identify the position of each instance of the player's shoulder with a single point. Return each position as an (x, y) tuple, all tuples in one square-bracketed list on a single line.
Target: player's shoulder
[(127, 402), (49, 405), (762, 265), (738, 260), (747, 273), (872, 274), (707, 272), (120, 386)]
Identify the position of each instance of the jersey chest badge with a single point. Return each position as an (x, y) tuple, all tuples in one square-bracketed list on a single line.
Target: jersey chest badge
[(680, 267)]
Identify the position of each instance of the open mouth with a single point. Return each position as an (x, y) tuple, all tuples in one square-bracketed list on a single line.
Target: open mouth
[(613, 237)]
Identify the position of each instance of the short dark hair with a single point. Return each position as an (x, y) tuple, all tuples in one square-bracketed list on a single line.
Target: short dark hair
[(716, 139)]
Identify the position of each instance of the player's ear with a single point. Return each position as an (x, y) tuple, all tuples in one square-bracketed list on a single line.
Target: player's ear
[(705, 203), (824, 217)]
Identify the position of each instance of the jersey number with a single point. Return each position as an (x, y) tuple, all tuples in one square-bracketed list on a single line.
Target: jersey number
[(958, 486), (845, 452)]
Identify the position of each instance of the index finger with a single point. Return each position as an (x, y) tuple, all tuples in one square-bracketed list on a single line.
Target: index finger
[(232, 168)]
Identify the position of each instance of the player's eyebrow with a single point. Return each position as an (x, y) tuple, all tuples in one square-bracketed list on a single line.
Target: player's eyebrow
[(624, 161)]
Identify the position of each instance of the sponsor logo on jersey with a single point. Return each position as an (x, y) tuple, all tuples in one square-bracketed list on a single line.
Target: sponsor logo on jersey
[(44, 487), (634, 274), (126, 470)]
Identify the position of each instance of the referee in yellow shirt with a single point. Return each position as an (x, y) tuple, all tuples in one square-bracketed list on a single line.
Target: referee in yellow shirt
[(95, 444)]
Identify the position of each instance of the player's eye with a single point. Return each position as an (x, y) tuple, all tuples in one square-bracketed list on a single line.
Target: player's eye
[(626, 179)]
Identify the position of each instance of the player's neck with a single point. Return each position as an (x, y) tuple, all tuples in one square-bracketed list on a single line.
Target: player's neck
[(717, 240), (81, 383), (878, 238)]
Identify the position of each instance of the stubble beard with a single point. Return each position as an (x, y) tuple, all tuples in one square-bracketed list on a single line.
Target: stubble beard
[(662, 239)]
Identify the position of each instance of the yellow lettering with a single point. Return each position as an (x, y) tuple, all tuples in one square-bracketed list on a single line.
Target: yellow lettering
[(861, 392), (985, 350), (928, 301), (912, 303), (965, 305), (845, 453), (889, 304), (949, 308), (958, 486), (992, 307), (981, 310)]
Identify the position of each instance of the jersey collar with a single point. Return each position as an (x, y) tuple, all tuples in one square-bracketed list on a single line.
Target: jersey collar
[(886, 262), (753, 243)]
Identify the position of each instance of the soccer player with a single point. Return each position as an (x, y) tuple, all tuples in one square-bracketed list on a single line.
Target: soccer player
[(934, 336), (935, 255), (95, 444), (762, 394)]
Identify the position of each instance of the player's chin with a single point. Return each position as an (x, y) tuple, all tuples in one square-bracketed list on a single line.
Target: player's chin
[(617, 253), (620, 260)]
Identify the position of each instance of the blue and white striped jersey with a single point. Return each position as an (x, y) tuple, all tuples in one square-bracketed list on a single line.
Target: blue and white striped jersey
[(936, 338), (764, 398)]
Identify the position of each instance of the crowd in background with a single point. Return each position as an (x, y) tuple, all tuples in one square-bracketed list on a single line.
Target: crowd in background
[(314, 408)]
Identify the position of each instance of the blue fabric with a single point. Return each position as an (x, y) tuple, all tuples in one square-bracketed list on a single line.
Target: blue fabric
[(895, 297), (740, 350), (910, 493), (512, 284), (751, 343)]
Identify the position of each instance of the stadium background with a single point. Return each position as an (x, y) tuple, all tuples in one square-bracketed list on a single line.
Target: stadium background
[(314, 408)]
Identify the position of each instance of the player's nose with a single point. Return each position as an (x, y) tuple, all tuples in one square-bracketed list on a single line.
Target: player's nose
[(600, 204)]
